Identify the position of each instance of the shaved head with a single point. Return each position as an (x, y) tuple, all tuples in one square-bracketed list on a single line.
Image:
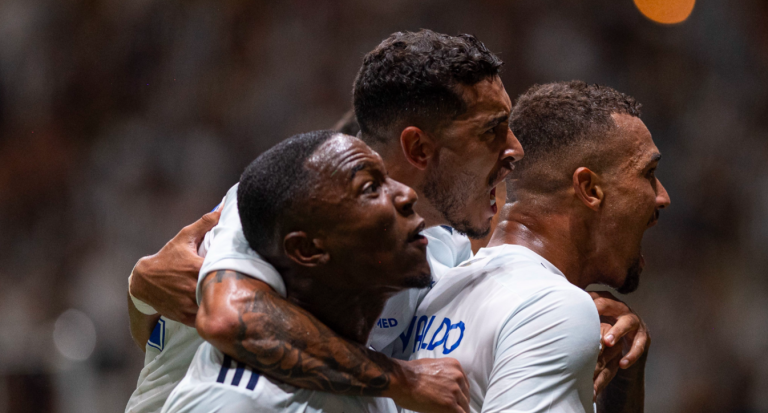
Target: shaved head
[(563, 126)]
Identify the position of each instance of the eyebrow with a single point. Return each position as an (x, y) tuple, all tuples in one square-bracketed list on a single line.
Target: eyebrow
[(655, 158), (359, 167), (495, 121)]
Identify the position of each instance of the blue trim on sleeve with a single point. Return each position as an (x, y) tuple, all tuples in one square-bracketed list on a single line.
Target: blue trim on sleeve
[(157, 338)]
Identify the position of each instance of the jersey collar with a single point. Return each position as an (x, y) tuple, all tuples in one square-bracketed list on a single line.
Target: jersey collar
[(519, 250)]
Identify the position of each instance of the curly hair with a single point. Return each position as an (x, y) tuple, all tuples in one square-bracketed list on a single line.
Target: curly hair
[(564, 122), (411, 77)]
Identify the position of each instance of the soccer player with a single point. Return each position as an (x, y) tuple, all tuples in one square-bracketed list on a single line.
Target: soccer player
[(320, 208), (516, 315), (435, 109)]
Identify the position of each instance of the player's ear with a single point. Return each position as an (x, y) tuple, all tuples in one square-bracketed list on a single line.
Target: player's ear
[(588, 187), (304, 250), (418, 147)]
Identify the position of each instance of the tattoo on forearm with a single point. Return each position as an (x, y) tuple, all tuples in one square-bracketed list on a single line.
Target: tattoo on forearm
[(287, 343)]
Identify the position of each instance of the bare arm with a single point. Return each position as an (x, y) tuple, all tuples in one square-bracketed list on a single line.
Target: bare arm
[(620, 372), (167, 280), (626, 392), (141, 325), (245, 318)]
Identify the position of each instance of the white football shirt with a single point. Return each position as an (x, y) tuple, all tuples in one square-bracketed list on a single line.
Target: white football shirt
[(216, 383), (527, 339), (230, 251), (168, 352)]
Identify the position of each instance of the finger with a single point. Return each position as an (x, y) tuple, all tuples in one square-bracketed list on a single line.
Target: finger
[(463, 382), (624, 325), (197, 229), (464, 385), (638, 348), (607, 307), (605, 376), (464, 402)]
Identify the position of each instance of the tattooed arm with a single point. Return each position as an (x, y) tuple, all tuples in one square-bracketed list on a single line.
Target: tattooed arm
[(246, 319)]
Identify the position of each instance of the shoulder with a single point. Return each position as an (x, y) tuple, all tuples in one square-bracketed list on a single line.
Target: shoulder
[(447, 246), (561, 318)]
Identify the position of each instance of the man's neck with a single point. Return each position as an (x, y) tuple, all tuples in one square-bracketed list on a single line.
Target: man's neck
[(550, 235), (351, 314)]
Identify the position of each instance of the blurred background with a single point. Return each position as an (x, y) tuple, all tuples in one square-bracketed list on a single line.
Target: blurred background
[(121, 122)]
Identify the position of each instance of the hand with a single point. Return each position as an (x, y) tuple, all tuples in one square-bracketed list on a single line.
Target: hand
[(433, 385), (619, 325), (167, 280)]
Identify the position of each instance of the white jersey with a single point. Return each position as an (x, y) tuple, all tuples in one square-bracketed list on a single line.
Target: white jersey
[(527, 339), (172, 346), (230, 251), (168, 353), (213, 385), (216, 383)]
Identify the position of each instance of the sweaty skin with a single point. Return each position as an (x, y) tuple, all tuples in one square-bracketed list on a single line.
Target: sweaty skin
[(453, 175), (592, 232)]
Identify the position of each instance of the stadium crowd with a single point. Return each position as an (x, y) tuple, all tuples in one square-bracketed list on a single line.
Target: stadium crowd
[(119, 123)]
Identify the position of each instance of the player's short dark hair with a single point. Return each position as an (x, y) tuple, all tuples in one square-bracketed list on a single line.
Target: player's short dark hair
[(412, 77), (273, 185), (562, 121)]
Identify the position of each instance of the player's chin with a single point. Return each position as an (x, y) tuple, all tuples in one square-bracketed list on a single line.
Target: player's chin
[(632, 279), (477, 229), (417, 274)]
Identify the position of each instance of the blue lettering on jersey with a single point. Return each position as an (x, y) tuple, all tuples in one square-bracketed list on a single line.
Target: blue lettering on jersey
[(441, 336), (406, 337), (460, 326), (386, 322), (421, 333), (157, 338), (432, 344)]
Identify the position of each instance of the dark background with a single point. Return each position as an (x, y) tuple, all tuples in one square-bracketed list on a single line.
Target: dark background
[(122, 121)]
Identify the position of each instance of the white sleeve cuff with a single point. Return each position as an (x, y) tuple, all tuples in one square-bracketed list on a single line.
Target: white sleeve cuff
[(143, 307)]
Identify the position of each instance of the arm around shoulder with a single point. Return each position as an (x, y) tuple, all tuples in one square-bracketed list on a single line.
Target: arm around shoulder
[(141, 325)]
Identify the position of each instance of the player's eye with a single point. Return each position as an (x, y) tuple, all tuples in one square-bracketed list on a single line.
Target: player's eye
[(371, 187)]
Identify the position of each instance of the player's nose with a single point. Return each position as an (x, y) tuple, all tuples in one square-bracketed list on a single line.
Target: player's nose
[(404, 198), (662, 196), (512, 150)]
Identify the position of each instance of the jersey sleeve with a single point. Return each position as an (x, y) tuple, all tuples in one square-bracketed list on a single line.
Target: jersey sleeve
[(545, 355), (229, 250)]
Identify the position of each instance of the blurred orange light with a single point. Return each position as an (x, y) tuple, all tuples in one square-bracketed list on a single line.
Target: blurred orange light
[(666, 11)]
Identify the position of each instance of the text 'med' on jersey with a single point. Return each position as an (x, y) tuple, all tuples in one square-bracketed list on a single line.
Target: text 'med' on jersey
[(527, 339), (230, 251)]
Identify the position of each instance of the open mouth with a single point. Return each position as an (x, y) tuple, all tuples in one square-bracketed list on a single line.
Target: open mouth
[(415, 235), (654, 219), (505, 169)]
